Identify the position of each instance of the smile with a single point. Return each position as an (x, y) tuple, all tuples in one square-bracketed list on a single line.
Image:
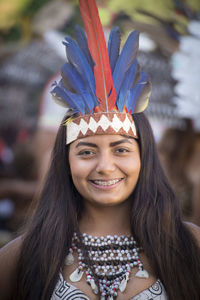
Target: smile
[(106, 182)]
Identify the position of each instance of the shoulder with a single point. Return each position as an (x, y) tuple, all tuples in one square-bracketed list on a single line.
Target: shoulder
[(195, 230), (11, 249), (9, 256)]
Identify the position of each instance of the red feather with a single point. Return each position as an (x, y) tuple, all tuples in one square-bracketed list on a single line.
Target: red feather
[(105, 89)]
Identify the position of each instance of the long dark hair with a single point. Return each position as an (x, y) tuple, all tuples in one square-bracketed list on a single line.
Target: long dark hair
[(156, 224)]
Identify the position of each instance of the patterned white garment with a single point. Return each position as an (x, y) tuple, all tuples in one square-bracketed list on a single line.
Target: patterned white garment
[(66, 291), (154, 292)]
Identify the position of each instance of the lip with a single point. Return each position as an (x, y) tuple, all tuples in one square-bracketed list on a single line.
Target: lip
[(101, 184)]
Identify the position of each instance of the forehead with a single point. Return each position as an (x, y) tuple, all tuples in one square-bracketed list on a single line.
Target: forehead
[(104, 140)]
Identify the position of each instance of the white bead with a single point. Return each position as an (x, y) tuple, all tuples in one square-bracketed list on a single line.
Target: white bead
[(122, 285), (69, 260), (142, 274), (94, 286), (76, 275)]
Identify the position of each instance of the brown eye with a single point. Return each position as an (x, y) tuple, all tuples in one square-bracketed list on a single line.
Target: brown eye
[(86, 153), (121, 150)]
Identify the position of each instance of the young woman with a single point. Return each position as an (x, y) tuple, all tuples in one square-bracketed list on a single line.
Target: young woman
[(105, 185), (107, 225)]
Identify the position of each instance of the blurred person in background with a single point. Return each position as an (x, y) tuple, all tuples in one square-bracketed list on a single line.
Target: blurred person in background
[(180, 156), (27, 163)]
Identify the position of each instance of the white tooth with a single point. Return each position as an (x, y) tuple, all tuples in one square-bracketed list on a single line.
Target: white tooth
[(104, 183)]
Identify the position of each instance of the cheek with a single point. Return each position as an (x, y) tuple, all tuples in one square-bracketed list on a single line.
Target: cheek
[(74, 168), (132, 167), (77, 179), (76, 173), (79, 170)]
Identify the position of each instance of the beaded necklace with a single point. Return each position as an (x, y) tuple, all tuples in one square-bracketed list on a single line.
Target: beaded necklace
[(111, 259)]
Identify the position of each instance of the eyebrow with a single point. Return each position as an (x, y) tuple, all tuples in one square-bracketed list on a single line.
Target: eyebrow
[(111, 144)]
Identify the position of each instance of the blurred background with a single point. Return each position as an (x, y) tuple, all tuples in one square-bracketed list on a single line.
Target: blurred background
[(31, 55)]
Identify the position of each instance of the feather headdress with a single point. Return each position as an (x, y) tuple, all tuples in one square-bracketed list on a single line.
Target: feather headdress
[(101, 86)]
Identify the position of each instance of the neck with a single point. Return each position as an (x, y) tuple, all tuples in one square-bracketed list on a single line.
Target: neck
[(101, 221)]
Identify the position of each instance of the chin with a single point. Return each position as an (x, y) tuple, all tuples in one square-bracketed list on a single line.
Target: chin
[(108, 203)]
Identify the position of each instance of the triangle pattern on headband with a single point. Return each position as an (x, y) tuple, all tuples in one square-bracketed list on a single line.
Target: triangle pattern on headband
[(100, 123)]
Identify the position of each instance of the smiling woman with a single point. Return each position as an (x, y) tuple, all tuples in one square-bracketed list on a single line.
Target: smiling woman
[(111, 191), (105, 168), (107, 225)]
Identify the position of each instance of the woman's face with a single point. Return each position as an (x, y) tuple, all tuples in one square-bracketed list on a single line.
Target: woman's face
[(105, 168)]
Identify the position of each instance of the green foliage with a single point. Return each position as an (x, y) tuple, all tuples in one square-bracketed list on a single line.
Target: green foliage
[(33, 7), (13, 34), (10, 12), (17, 18), (162, 9)]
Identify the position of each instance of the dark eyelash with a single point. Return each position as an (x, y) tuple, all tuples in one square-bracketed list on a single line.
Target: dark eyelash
[(87, 152), (123, 150)]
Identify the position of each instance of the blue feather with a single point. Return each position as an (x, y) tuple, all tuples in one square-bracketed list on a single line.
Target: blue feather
[(72, 100), (136, 93), (80, 63), (126, 86), (83, 44), (89, 102), (78, 60), (79, 85), (114, 46), (125, 60), (73, 77)]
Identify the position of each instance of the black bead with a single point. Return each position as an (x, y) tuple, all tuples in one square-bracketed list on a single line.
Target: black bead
[(107, 247), (115, 247), (116, 262), (102, 248), (109, 277)]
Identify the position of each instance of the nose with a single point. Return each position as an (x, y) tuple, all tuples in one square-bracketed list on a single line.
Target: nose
[(105, 164)]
